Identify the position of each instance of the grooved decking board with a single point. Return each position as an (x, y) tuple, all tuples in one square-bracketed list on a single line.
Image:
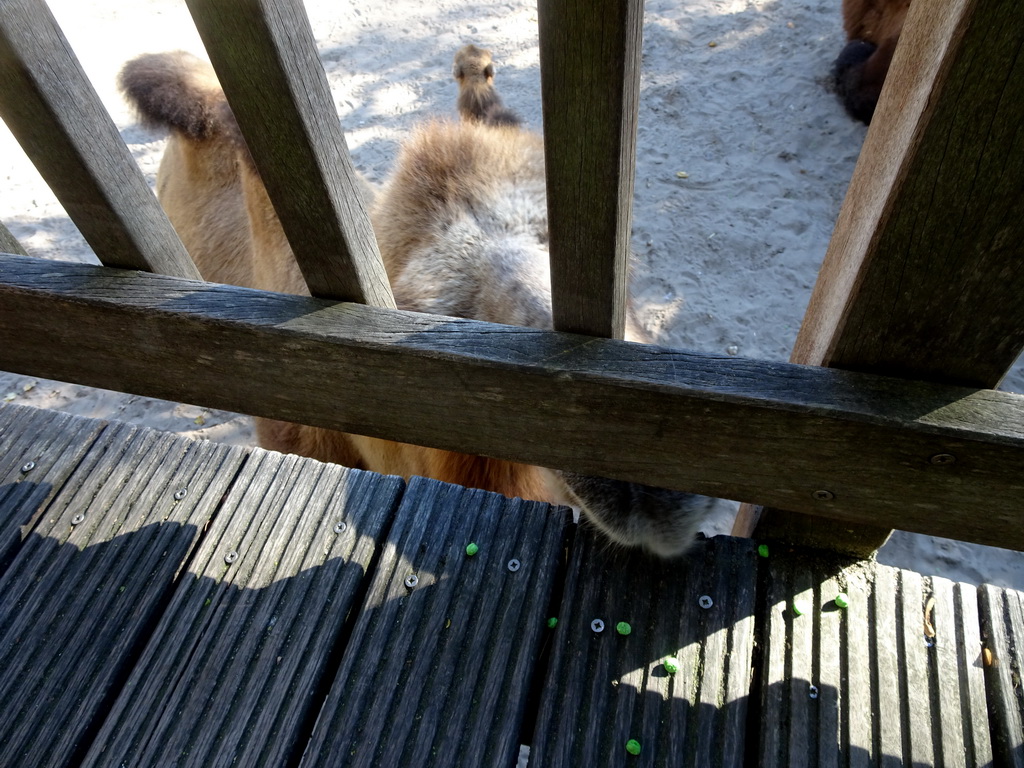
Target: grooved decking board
[(603, 689), (438, 674), (231, 674), (1003, 627), (38, 451), (869, 685), (88, 581)]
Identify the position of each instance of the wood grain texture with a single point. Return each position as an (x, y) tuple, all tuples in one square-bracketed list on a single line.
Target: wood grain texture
[(267, 62), (38, 452), (924, 272), (1002, 625), (9, 243), (590, 86), (438, 673), (230, 675), (680, 419), (86, 583), (603, 688), (892, 680), (52, 109)]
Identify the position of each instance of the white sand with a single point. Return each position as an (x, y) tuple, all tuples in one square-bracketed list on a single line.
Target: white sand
[(734, 94)]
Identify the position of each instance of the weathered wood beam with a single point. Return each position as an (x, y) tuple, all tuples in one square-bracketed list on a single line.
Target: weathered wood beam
[(9, 243), (853, 447), (267, 62), (590, 85), (52, 109), (924, 275)]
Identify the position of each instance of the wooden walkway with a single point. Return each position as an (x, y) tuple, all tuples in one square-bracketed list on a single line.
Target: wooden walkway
[(170, 602)]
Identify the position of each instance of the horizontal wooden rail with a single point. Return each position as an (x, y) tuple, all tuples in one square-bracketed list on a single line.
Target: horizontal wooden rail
[(856, 447), (52, 109), (267, 61)]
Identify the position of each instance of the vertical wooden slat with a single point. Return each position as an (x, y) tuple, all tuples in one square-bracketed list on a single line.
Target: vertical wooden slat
[(590, 84), (267, 62), (52, 109), (9, 243), (925, 269)]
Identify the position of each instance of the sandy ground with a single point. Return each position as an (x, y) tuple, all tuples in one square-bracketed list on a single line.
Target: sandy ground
[(743, 160)]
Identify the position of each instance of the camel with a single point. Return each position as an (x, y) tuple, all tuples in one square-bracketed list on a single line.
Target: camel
[(462, 229), (872, 28)]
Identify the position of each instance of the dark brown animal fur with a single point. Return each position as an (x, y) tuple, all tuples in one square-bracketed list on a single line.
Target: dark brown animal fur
[(873, 29)]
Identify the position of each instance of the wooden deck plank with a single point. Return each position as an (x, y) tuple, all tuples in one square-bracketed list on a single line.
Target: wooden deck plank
[(230, 674), (682, 420), (590, 84), (437, 673), (82, 590), (890, 695), (52, 109), (603, 688), (267, 61), (38, 451), (1003, 662)]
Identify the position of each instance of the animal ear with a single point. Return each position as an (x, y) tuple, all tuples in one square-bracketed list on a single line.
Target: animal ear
[(457, 72), (489, 71)]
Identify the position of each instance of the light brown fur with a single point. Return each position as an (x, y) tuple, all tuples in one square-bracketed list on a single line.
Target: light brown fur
[(462, 229)]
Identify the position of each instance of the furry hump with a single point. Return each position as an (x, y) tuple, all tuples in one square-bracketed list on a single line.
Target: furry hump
[(462, 229)]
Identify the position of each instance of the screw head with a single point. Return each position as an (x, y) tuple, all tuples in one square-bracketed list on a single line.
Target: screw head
[(78, 519), (597, 625), (230, 557), (813, 691), (412, 580), (514, 565), (180, 494), (943, 458), (28, 466), (705, 601), (340, 527), (823, 495)]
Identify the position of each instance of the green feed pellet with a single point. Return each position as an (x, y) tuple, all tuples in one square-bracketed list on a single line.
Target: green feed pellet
[(671, 665), (623, 628), (800, 607), (552, 622), (472, 549), (633, 747), (762, 550), (843, 600)]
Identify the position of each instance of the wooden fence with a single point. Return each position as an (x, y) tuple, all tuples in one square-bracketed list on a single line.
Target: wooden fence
[(917, 314)]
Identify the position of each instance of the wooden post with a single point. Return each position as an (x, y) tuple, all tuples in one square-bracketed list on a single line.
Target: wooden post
[(267, 62), (590, 83), (9, 243), (54, 112), (924, 276)]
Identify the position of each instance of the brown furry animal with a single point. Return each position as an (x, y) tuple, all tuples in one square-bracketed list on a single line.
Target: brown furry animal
[(462, 229), (473, 70), (872, 28)]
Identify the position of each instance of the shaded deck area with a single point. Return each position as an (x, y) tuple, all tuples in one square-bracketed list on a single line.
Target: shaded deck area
[(171, 602)]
